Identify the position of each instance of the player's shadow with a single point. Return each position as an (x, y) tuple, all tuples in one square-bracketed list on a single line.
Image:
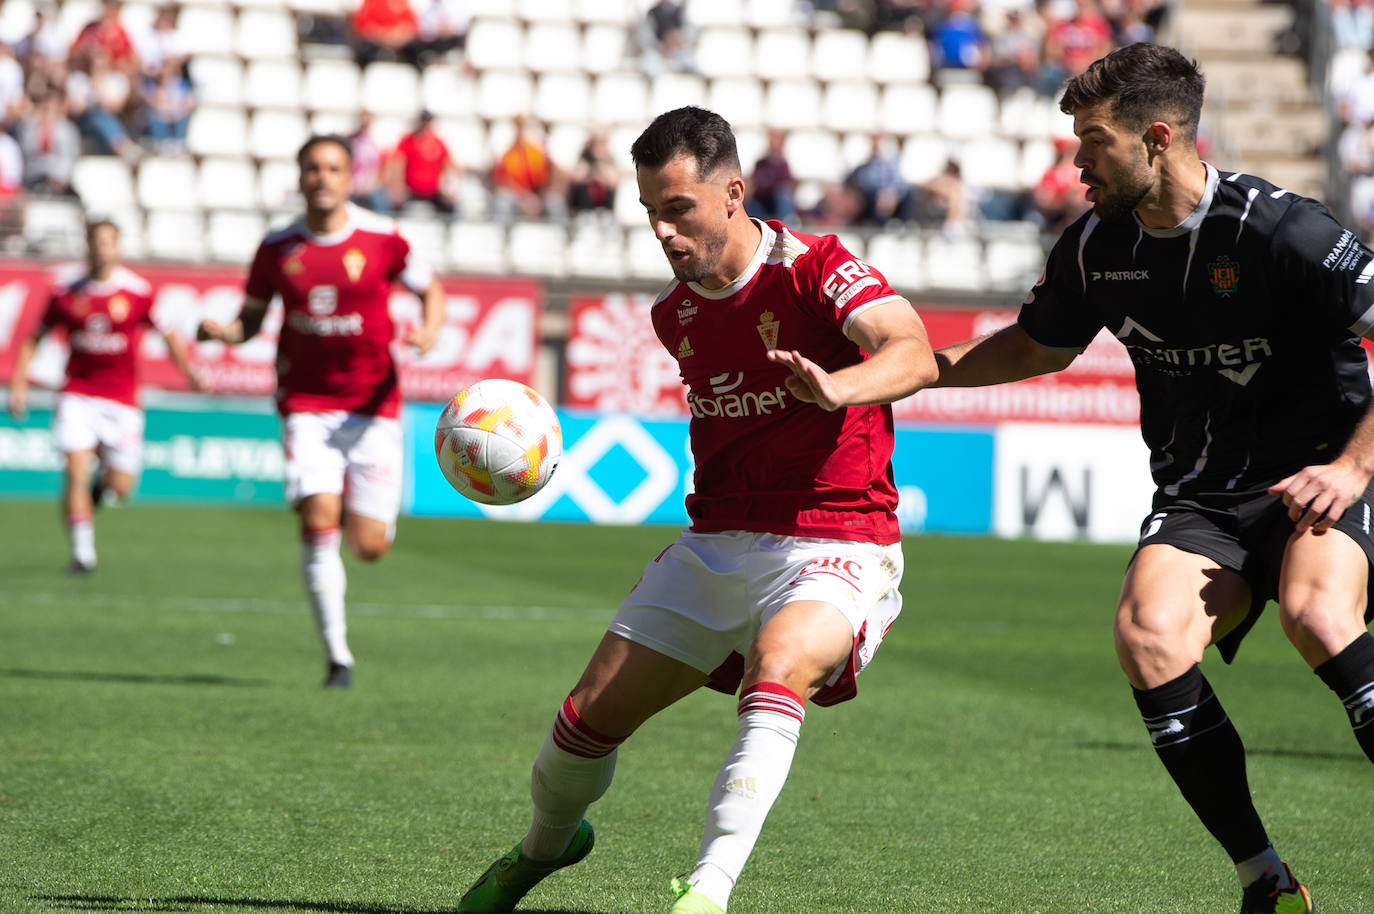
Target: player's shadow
[(1275, 751), (136, 678), (192, 902)]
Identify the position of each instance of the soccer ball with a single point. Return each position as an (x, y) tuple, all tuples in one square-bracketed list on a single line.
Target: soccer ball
[(498, 442)]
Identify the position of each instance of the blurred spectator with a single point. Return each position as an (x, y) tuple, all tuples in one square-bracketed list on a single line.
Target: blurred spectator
[(666, 39), (1059, 195), (43, 41), (51, 145), (98, 98), (524, 180), (160, 43), (900, 16), (772, 186), (947, 201), (384, 29), (11, 169), (957, 41), (1076, 34), (12, 97), (421, 167), (1130, 25), (443, 28), (105, 37), (1356, 104), (883, 195), (1013, 53), (595, 176), (369, 167), (1352, 23), (170, 103)]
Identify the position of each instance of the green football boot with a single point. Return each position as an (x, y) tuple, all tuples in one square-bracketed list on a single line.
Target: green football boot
[(689, 902), (508, 879)]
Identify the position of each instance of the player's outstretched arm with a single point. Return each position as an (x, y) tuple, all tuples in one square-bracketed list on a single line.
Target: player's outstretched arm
[(432, 304), (19, 378), (181, 357), (244, 327), (1004, 355), (900, 362), (1317, 496)]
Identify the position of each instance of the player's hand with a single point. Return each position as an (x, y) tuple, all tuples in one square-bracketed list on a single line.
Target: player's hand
[(19, 404), (1317, 496), (809, 382), (423, 339), (210, 331), (198, 381)]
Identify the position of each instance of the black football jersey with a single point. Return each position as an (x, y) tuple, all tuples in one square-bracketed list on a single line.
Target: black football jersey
[(1243, 323)]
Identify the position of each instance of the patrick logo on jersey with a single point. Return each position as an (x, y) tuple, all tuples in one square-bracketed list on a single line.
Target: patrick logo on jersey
[(1237, 360)]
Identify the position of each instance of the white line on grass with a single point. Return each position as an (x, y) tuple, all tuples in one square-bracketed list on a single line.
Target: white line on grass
[(255, 605)]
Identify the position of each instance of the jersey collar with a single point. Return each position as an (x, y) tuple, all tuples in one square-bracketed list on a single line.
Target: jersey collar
[(333, 237), (1193, 219), (767, 236)]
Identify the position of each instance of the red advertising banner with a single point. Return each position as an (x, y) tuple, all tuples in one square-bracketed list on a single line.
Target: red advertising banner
[(491, 329), (614, 362)]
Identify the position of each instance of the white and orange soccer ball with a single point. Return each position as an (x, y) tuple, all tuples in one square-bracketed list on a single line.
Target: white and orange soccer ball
[(498, 441)]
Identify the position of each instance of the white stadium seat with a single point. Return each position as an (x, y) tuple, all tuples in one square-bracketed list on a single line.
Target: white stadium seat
[(620, 98), (272, 83), (954, 263), (279, 184), (604, 48), (1036, 158), (792, 104), (839, 54), (813, 154), (596, 250), (1013, 264), (218, 80), (673, 90), (477, 247), (206, 30), (276, 134), (900, 258), (565, 142), (770, 14), (232, 236), (923, 157), (103, 183), (167, 183), (332, 85), (495, 44), (492, 9), (552, 47), (225, 183), (391, 88), (466, 138), (427, 238), (563, 97), (615, 11), (704, 13), (175, 235), (967, 110), (897, 58), (725, 52), (217, 131), (851, 105), (737, 99), (538, 248), (782, 54), (448, 91), (907, 109), (265, 32), (53, 225), (992, 162), (644, 255), (542, 11), (504, 94)]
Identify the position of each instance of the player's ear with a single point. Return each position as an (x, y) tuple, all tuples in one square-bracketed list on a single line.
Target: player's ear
[(1159, 136), (734, 195)]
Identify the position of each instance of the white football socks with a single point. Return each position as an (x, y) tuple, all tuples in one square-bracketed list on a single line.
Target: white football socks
[(322, 570), (573, 771), (770, 720), (81, 533)]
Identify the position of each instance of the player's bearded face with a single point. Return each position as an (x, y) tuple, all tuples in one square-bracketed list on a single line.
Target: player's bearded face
[(326, 177), (688, 216), (1123, 191), (1113, 163)]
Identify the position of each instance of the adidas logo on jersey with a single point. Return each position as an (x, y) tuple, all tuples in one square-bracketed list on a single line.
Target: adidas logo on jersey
[(684, 349)]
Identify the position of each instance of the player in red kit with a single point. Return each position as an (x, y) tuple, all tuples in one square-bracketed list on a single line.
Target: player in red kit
[(788, 578), (104, 312), (337, 386)]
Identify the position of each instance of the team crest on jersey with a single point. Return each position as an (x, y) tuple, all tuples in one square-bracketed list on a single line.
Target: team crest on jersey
[(353, 262), (768, 329), (684, 349), (80, 305), (1224, 274), (119, 308), (293, 267)]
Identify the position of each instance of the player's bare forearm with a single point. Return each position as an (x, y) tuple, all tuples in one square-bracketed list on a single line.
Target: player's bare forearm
[(19, 378), (897, 368), (181, 357), (432, 306), (239, 330), (1005, 355)]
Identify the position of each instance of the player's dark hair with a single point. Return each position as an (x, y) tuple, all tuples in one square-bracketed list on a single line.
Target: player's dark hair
[(1143, 83), (93, 225), (318, 138), (701, 134)]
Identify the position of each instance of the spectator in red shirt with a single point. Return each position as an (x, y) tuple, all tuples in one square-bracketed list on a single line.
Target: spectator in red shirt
[(419, 166), (384, 28), (107, 35), (1060, 194)]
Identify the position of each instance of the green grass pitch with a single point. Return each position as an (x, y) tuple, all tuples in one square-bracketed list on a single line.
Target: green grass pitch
[(165, 745)]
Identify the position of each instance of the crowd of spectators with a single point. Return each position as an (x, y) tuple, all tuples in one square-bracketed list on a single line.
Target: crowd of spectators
[(1353, 33)]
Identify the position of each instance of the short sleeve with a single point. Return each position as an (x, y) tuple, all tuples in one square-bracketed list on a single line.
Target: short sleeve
[(1325, 264), (843, 286), (1056, 313), (262, 282), (409, 267)]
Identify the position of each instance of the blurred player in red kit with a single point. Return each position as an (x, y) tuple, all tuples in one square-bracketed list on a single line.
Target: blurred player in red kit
[(104, 312), (787, 581), (338, 391)]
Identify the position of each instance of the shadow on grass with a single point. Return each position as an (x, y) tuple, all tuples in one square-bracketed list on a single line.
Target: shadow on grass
[(194, 902), (1144, 746), (136, 678)]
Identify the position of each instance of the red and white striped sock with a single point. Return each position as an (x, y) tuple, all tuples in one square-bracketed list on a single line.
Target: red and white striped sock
[(770, 720), (573, 770)]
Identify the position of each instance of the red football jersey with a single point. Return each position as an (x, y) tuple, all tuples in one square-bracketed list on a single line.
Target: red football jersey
[(766, 461), (104, 322), (335, 347)]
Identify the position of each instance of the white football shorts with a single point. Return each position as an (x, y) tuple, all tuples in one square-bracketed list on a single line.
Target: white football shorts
[(703, 599), (113, 430), (359, 457)]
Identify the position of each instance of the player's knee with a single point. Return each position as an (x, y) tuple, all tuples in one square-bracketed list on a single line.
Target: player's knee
[(368, 548), (1147, 643)]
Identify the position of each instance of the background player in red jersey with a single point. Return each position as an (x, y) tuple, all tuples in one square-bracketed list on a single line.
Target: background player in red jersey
[(788, 578), (104, 312), (338, 389)]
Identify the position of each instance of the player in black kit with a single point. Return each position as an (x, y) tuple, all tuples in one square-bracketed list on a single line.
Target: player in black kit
[(1242, 306)]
